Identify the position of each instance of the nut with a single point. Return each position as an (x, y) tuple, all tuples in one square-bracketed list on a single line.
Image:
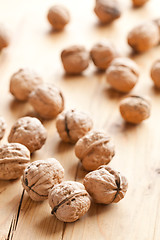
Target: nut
[(72, 125), (94, 150), (47, 100), (122, 74), (40, 176), (69, 201), (14, 157), (143, 37), (102, 54), (4, 38), (155, 73), (23, 82), (75, 59), (28, 131), (106, 185), (107, 11), (139, 3), (2, 127), (135, 109), (58, 16)]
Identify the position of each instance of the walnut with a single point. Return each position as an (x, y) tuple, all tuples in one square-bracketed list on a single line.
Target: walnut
[(23, 82), (94, 149), (143, 37), (135, 109), (102, 54), (47, 100), (58, 16), (72, 125), (106, 185), (40, 176), (122, 74), (69, 201), (2, 127), (14, 157), (139, 3), (155, 73), (28, 131), (4, 38), (75, 59), (107, 11)]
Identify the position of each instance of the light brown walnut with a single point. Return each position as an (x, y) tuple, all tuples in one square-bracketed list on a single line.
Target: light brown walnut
[(4, 37), (2, 127), (47, 100), (40, 176), (72, 125), (94, 149), (14, 158), (28, 131), (69, 201), (155, 73), (139, 3), (122, 74), (106, 185)]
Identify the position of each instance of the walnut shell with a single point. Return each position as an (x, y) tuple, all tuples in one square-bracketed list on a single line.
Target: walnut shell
[(28, 131), (58, 16), (155, 73), (14, 157), (122, 74), (47, 100), (135, 109), (139, 3), (69, 201), (143, 37), (4, 38), (23, 82), (75, 59), (94, 149), (102, 54), (40, 176), (106, 185), (107, 11), (72, 125), (2, 127)]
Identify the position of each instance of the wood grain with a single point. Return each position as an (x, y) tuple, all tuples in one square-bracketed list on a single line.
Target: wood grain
[(34, 45)]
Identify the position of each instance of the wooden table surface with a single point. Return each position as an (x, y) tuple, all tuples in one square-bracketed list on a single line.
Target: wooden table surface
[(34, 45)]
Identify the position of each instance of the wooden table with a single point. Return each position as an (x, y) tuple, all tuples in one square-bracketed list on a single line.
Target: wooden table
[(34, 45)]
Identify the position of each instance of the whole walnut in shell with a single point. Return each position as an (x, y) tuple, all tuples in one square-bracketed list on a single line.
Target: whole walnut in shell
[(107, 11), (75, 59), (143, 37), (23, 82), (139, 3), (14, 157), (58, 16), (4, 38), (94, 149), (2, 127), (72, 125), (47, 100), (69, 201), (155, 73), (28, 131), (102, 54), (135, 109), (122, 74), (40, 176), (106, 185)]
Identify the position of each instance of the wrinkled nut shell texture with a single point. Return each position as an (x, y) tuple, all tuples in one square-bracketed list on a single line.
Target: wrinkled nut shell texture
[(23, 82), (107, 11), (122, 74), (105, 185), (94, 150), (14, 158), (102, 54), (155, 73), (69, 201), (28, 131), (4, 38), (72, 125), (135, 109), (138, 3), (2, 127), (47, 100), (40, 176), (75, 59), (58, 16), (144, 37)]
